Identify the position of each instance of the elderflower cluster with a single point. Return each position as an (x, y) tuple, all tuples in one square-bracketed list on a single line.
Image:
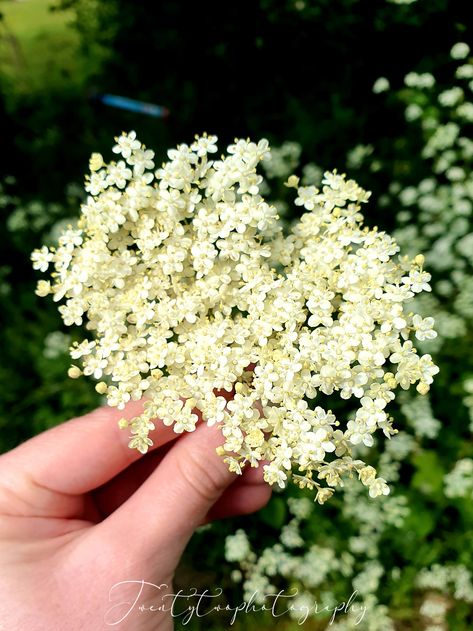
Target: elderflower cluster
[(199, 302), (441, 203), (356, 561), (448, 579)]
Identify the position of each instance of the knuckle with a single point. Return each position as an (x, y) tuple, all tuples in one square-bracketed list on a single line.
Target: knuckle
[(202, 477)]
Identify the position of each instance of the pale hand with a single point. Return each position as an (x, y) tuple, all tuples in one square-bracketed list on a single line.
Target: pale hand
[(80, 512)]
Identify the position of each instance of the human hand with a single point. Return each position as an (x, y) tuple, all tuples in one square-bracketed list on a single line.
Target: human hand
[(80, 512)]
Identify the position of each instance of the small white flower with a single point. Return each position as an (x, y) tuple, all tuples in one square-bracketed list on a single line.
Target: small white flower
[(41, 259), (118, 175), (126, 144), (378, 487), (423, 328), (204, 145), (307, 197)]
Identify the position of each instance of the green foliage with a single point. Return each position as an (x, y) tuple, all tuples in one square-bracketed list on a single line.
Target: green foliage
[(36, 46), (428, 478), (274, 514), (35, 390)]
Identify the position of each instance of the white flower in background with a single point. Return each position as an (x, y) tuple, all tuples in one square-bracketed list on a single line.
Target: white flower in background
[(435, 608), (422, 81), (190, 287), (56, 344), (459, 482), (300, 507), (381, 85), (282, 160), (464, 72), (460, 50), (451, 97), (413, 112), (237, 546)]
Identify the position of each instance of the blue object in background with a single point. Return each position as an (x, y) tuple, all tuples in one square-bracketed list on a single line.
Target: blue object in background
[(124, 103)]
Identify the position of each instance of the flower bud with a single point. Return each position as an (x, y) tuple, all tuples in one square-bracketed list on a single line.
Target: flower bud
[(74, 372)]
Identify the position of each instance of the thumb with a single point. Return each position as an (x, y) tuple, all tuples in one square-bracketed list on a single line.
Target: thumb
[(177, 496), (195, 476)]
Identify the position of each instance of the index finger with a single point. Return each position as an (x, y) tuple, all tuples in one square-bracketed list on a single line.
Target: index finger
[(81, 454)]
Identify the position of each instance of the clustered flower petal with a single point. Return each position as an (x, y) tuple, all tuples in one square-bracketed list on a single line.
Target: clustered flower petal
[(197, 299)]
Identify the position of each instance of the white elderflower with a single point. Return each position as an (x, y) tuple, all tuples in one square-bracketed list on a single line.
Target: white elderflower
[(126, 144), (43, 288), (307, 197), (300, 507), (451, 97), (380, 85), (41, 259), (464, 72), (413, 112), (96, 182), (422, 81), (460, 50), (204, 145), (418, 281), (190, 288), (378, 487), (141, 159), (118, 174), (237, 546), (423, 327), (367, 475), (96, 162), (459, 482)]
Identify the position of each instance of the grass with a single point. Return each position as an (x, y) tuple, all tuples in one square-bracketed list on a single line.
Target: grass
[(29, 18), (38, 47)]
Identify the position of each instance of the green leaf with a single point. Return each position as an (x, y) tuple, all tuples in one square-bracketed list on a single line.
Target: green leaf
[(429, 473), (274, 513)]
